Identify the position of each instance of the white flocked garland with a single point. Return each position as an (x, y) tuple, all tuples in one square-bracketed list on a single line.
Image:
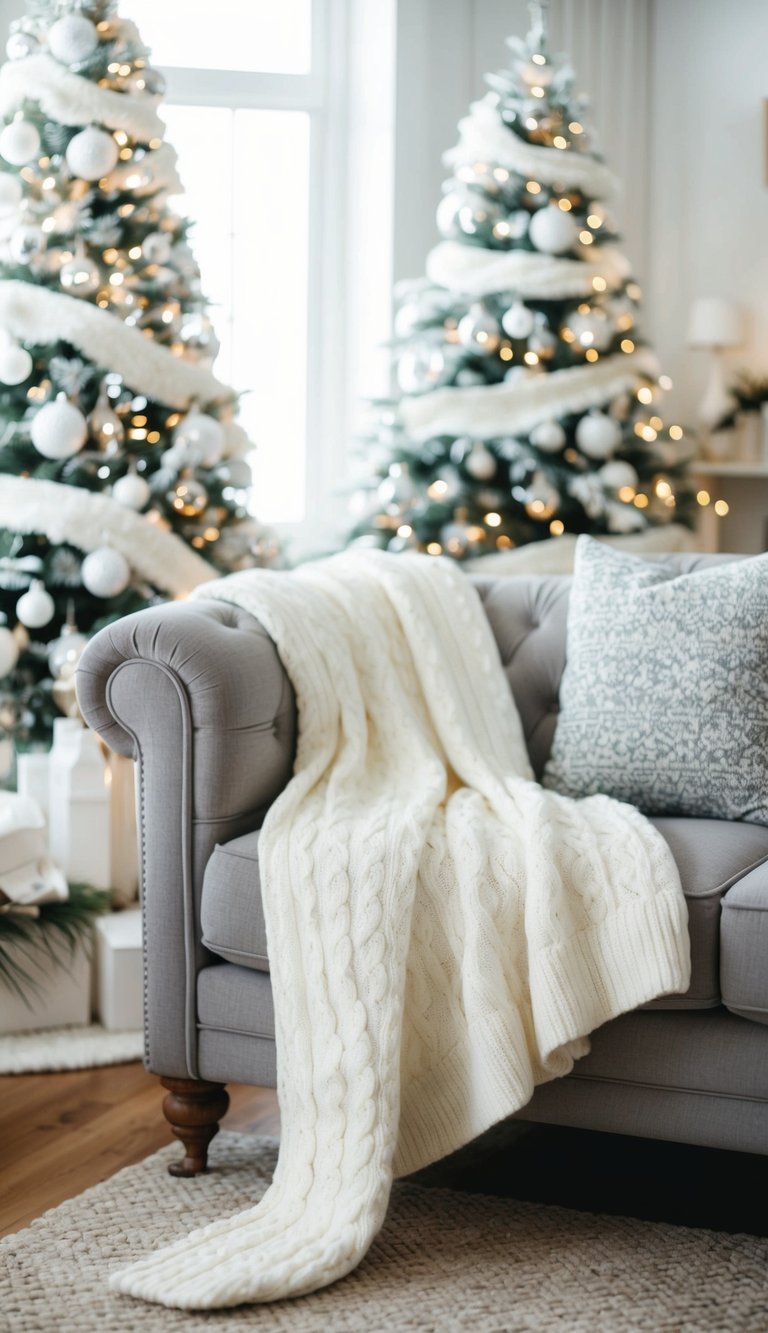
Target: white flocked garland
[(74, 100), (38, 315), (472, 271), (88, 520), (490, 411), (485, 138)]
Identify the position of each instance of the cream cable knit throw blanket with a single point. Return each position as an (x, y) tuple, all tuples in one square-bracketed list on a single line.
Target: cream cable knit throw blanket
[(443, 933)]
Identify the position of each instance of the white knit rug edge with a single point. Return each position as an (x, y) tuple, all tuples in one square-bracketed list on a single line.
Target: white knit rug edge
[(67, 1048)]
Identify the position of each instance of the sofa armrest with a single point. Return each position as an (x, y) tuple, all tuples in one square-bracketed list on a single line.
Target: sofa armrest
[(197, 695)]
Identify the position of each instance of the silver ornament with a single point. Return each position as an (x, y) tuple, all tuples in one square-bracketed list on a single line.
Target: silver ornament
[(65, 652), (79, 276), (479, 331)]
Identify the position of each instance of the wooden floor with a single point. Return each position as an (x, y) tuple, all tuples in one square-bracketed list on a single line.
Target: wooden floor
[(61, 1133)]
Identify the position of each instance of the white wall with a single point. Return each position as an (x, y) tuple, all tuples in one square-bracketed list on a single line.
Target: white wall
[(708, 224)]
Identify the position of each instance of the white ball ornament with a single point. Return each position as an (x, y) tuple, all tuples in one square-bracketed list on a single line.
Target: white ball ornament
[(72, 38), (552, 231), (200, 439), (9, 651), (105, 572), (237, 472), (11, 194), (65, 652), (518, 321), (156, 248), (479, 331), (36, 608), (92, 154), (59, 429), (15, 364), (131, 491), (598, 435), (480, 462), (19, 143), (548, 436), (20, 45), (26, 243), (617, 474), (80, 276)]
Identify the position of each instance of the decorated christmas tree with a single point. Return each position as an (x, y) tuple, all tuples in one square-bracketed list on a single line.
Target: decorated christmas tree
[(527, 402), (123, 479)]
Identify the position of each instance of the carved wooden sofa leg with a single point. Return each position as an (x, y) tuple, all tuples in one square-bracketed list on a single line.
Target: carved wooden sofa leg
[(193, 1109)]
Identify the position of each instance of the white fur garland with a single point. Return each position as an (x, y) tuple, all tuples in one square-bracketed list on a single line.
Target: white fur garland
[(39, 315), (472, 271), (73, 100), (489, 411), (485, 138), (88, 519)]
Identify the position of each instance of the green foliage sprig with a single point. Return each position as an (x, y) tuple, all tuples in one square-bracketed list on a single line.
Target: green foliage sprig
[(27, 941)]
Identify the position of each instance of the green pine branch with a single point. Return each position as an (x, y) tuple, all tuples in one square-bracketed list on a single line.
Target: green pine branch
[(26, 942)]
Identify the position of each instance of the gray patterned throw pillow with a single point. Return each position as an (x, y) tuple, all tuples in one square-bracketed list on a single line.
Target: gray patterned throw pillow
[(664, 698)]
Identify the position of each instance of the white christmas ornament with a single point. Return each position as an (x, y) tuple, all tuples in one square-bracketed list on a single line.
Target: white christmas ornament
[(518, 321), (91, 154), (549, 436), (156, 248), (131, 491), (59, 429), (105, 572), (9, 651), (552, 231), (19, 143), (479, 331), (11, 194), (592, 330), (199, 439), (36, 608), (65, 652), (598, 435), (543, 500), (72, 38), (80, 276), (26, 243), (617, 473), (15, 364), (20, 45), (237, 472), (480, 462)]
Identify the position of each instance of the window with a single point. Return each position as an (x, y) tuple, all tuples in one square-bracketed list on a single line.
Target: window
[(245, 113)]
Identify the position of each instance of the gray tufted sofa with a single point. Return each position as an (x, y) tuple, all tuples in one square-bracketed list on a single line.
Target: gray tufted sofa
[(197, 695)]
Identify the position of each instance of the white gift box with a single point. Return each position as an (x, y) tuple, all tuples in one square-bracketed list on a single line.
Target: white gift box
[(91, 811), (61, 995), (119, 985)]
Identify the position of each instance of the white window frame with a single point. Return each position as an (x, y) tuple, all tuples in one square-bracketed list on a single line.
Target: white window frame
[(323, 95)]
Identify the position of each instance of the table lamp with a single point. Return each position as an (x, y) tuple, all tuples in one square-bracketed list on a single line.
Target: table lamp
[(715, 324)]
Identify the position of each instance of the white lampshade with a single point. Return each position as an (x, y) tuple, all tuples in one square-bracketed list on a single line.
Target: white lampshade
[(714, 322)]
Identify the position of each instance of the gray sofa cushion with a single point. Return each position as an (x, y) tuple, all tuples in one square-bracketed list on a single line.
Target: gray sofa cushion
[(710, 854), (744, 947), (664, 698), (231, 913)]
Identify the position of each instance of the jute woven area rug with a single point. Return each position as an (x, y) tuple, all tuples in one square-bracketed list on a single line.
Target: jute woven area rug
[(444, 1262)]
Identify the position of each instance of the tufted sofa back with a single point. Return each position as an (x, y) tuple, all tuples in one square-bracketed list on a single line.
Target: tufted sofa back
[(528, 616)]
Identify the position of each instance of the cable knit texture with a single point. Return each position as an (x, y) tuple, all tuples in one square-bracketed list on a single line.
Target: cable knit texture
[(443, 933)]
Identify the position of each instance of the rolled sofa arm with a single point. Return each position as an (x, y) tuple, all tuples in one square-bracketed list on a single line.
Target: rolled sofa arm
[(197, 695)]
